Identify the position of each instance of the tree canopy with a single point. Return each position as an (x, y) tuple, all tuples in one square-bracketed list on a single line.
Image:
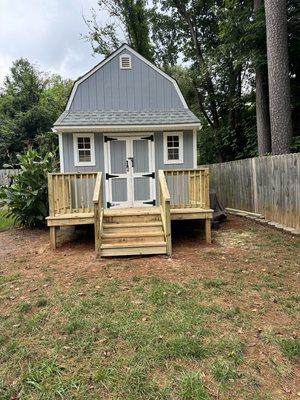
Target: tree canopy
[(213, 48), (30, 102)]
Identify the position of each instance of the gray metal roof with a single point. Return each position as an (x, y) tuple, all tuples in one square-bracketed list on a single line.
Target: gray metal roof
[(126, 118)]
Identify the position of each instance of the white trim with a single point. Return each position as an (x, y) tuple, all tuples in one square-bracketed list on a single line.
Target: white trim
[(102, 63), (78, 163), (61, 153), (180, 159), (128, 128), (121, 59), (130, 175), (195, 148)]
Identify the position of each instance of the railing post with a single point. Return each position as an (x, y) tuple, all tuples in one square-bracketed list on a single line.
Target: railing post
[(50, 195), (206, 188), (165, 204), (52, 229), (98, 213), (97, 229), (168, 227)]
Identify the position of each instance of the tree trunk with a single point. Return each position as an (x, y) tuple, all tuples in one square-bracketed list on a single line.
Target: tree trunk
[(262, 103), (278, 71), (262, 111)]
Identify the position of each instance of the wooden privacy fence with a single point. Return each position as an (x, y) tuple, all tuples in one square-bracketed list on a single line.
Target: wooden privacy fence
[(266, 185), (188, 187), (6, 175)]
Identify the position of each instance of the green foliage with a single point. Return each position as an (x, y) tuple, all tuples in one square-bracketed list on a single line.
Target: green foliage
[(222, 42), (30, 102), (132, 17), (6, 222), (212, 38), (25, 307), (291, 348), (214, 283), (192, 387), (223, 370), (27, 198)]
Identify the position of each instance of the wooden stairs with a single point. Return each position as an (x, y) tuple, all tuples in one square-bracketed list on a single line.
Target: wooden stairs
[(132, 231)]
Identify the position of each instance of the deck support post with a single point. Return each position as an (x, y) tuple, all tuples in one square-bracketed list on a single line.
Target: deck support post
[(208, 230), (53, 237)]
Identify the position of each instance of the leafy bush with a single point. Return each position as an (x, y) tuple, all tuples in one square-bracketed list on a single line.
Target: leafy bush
[(27, 197)]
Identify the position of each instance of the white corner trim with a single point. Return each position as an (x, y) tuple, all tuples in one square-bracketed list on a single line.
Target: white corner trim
[(166, 160), (78, 163), (195, 148), (61, 153), (113, 55)]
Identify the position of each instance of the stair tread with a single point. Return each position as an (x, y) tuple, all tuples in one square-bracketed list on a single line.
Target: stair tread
[(127, 234), (117, 225), (132, 244), (132, 211), (135, 251)]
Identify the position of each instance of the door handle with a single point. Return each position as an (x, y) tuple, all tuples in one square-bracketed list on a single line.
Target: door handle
[(127, 166)]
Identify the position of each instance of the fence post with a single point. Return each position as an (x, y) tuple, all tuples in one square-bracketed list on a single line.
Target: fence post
[(254, 183)]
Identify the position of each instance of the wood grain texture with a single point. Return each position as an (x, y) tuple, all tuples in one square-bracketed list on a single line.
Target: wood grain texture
[(264, 185)]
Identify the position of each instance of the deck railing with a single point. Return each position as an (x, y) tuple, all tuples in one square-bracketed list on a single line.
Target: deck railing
[(98, 212), (71, 192), (165, 210), (189, 188)]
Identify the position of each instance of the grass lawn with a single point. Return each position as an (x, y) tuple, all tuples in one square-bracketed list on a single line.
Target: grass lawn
[(214, 322), (5, 221)]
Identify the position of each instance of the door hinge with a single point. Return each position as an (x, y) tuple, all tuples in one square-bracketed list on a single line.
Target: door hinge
[(153, 202), (151, 137), (108, 176), (109, 139), (152, 175), (109, 204)]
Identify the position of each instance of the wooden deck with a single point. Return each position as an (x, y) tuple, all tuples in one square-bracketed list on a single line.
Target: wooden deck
[(77, 199)]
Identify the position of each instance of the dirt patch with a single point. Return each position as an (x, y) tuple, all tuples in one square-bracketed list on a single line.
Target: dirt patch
[(246, 283), (232, 238)]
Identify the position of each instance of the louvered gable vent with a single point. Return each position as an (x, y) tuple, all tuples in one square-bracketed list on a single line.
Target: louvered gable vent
[(125, 61)]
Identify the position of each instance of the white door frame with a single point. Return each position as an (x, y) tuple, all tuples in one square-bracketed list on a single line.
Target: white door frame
[(130, 175)]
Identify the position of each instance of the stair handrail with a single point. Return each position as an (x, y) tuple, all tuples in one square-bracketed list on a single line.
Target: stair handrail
[(98, 212), (165, 205)]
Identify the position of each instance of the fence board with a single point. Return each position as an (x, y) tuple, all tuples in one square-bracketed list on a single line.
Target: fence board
[(6, 175), (265, 185)]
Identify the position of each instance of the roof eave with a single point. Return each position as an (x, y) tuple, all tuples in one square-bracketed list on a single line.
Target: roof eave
[(125, 128)]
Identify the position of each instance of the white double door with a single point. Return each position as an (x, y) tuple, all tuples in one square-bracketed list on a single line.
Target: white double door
[(130, 171)]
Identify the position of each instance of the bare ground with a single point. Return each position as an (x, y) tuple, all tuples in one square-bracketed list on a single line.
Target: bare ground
[(250, 268)]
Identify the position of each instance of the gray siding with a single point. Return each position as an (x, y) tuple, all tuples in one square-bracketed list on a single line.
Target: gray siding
[(68, 152), (188, 152), (140, 88), (141, 191)]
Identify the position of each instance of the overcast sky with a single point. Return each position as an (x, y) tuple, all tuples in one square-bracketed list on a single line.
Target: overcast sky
[(47, 32)]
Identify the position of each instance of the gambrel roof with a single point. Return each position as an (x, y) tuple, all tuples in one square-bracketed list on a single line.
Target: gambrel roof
[(118, 117), (108, 95), (123, 48)]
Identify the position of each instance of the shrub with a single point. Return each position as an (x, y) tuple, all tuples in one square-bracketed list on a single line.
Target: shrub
[(27, 197)]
